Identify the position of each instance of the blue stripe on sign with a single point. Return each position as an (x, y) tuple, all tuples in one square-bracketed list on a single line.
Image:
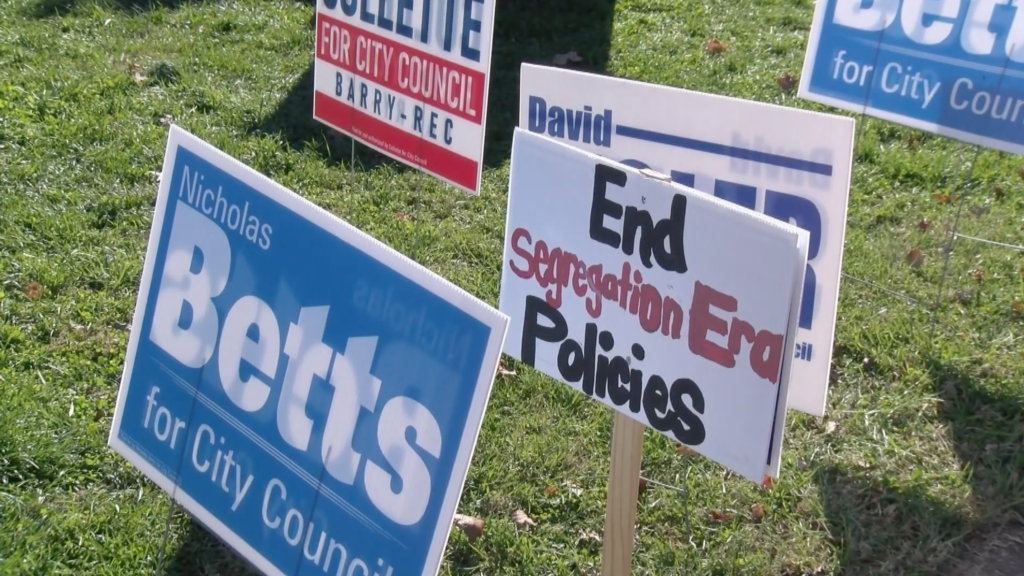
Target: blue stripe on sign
[(723, 150)]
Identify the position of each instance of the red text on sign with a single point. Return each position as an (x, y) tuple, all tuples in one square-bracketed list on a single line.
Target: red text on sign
[(555, 269)]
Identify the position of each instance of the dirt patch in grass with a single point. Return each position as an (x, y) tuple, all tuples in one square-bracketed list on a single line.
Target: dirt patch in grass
[(996, 552)]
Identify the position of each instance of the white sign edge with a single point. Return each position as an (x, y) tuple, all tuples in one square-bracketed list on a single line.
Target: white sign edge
[(782, 409)]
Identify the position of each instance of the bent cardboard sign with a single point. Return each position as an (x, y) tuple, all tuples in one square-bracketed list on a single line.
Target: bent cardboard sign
[(409, 79), (307, 393), (789, 164), (950, 67), (664, 303)]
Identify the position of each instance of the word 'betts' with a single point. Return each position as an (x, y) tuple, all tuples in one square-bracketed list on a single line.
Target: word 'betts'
[(615, 377), (251, 347)]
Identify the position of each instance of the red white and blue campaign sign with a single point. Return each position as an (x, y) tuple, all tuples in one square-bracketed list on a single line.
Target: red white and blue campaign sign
[(951, 67), (408, 78), (666, 304), (308, 394), (792, 165)]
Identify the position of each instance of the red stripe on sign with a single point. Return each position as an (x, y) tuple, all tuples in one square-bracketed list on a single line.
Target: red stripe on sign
[(435, 81), (392, 140)]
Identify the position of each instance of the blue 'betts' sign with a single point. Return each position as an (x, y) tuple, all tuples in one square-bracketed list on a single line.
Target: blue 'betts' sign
[(310, 395), (952, 67)]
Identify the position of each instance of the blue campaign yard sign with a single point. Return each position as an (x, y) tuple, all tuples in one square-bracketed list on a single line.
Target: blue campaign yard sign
[(310, 395), (951, 67)]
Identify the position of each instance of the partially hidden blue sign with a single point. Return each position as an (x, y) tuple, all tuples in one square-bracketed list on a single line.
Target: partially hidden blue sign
[(308, 394), (950, 67)]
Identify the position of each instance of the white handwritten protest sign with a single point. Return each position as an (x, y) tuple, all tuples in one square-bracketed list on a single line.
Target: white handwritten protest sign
[(669, 305)]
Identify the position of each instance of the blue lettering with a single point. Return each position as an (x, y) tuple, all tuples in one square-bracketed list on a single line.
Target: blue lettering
[(364, 14), (803, 213), (382, 19), (449, 20), (404, 7), (636, 164), (683, 178), (538, 114), (469, 25), (740, 194), (583, 125), (417, 119)]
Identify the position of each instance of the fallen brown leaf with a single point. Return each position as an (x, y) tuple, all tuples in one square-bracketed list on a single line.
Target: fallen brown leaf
[(757, 512), (502, 371), (998, 192), (923, 225), (402, 217), (1017, 307), (473, 527), (550, 490), (767, 483), (978, 275), (721, 517), (570, 57), (714, 46), (786, 82), (523, 522), (942, 198), (34, 290), (642, 487), (915, 258), (137, 72), (684, 450), (961, 296)]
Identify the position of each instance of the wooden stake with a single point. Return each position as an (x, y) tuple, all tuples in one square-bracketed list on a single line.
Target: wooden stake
[(623, 485)]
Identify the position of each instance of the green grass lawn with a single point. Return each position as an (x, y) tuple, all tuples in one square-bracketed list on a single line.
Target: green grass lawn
[(918, 461)]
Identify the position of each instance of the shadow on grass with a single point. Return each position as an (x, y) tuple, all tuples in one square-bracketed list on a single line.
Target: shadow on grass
[(987, 428), (881, 528), (524, 31), (203, 553)]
